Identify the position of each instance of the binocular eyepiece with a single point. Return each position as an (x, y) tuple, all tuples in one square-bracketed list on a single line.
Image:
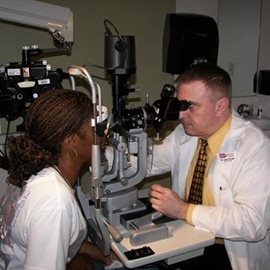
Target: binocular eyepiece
[(154, 115)]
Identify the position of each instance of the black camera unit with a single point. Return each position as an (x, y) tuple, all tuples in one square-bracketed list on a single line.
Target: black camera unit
[(21, 83), (120, 63)]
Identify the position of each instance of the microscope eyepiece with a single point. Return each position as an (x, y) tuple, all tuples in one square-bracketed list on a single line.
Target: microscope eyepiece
[(183, 105)]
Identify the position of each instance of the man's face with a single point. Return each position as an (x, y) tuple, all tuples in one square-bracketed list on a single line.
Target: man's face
[(201, 117)]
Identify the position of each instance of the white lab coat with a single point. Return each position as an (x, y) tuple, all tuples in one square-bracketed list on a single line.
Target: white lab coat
[(240, 187)]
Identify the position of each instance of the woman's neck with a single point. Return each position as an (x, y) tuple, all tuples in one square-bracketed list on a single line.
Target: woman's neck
[(69, 172)]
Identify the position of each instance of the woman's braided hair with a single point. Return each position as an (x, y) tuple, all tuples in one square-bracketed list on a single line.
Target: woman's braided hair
[(54, 116)]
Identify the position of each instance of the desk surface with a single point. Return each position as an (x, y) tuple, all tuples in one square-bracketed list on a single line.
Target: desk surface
[(185, 242)]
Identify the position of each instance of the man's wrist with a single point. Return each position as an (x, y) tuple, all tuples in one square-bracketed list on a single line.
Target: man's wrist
[(183, 211)]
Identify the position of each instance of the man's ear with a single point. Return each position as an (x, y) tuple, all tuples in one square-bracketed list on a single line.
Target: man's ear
[(222, 105)]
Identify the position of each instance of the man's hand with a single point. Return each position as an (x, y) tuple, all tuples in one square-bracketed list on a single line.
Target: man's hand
[(168, 202)]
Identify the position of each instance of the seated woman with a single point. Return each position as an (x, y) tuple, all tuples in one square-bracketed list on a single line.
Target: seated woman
[(41, 224)]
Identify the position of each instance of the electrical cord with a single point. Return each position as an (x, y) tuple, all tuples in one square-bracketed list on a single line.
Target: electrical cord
[(122, 46)]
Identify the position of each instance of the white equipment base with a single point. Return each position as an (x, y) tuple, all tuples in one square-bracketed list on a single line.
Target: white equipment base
[(185, 242)]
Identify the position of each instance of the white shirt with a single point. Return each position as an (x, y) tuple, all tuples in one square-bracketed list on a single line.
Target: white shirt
[(41, 227), (240, 186)]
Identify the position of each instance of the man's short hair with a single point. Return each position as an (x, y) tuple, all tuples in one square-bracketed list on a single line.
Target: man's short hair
[(216, 79)]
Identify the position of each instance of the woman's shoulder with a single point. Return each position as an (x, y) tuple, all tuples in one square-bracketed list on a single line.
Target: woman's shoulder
[(48, 186)]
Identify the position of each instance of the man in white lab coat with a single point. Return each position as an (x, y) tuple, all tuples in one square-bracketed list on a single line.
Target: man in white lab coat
[(236, 191)]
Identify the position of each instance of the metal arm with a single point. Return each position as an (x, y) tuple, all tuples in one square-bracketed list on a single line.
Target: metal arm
[(56, 19)]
